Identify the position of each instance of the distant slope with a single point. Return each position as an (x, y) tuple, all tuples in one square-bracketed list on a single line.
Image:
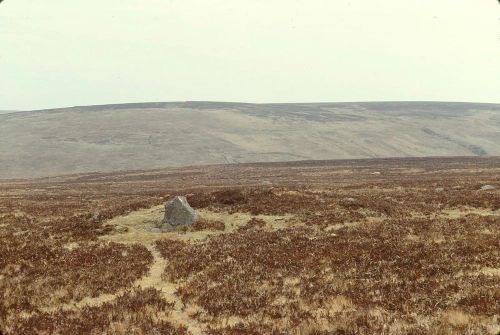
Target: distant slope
[(152, 135)]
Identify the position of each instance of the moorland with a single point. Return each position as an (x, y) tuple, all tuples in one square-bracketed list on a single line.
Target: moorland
[(383, 246)]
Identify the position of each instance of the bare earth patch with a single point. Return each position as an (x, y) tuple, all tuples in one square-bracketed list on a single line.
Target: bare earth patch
[(136, 226)]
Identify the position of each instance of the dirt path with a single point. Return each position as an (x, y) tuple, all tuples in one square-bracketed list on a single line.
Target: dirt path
[(154, 279)]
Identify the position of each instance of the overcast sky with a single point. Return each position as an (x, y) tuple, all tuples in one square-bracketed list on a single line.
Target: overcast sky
[(58, 53)]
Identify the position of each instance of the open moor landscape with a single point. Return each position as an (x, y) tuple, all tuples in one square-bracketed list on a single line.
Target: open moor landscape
[(385, 246)]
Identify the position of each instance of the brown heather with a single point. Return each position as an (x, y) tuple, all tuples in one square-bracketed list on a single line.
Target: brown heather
[(204, 224), (310, 248)]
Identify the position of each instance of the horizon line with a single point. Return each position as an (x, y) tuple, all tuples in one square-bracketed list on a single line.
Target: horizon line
[(9, 111)]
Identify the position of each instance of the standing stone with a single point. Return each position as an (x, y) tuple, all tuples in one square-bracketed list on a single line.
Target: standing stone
[(178, 213)]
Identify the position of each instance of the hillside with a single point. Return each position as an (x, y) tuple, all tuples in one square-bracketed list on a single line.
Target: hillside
[(154, 135)]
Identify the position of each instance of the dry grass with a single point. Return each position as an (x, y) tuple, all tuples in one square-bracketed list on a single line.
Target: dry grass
[(330, 248)]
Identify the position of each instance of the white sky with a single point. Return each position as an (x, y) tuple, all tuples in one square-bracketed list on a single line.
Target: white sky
[(56, 53)]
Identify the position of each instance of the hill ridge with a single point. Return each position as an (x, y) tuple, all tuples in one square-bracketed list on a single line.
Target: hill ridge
[(113, 137)]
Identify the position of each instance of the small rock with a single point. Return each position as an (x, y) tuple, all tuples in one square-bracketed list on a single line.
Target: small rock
[(439, 189), (95, 216), (487, 187), (155, 230), (376, 173), (121, 229)]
